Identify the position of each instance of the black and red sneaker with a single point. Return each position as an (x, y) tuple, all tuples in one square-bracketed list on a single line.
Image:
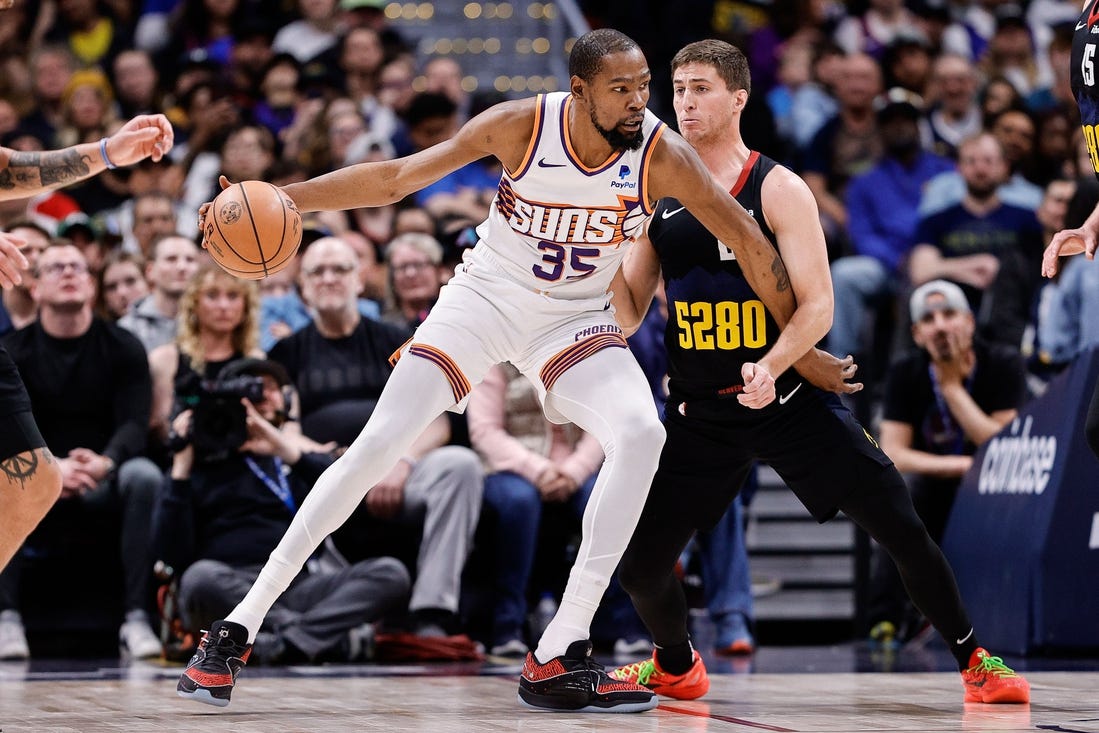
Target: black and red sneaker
[(222, 653), (573, 682)]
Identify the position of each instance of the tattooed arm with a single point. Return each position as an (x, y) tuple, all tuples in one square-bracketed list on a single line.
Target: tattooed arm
[(24, 174)]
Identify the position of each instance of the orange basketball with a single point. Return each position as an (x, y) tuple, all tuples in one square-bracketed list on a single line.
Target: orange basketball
[(253, 229)]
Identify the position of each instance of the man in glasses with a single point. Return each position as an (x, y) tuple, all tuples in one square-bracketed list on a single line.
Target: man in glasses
[(90, 386)]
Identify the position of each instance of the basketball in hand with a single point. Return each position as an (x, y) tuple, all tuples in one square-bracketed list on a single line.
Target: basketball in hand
[(253, 229)]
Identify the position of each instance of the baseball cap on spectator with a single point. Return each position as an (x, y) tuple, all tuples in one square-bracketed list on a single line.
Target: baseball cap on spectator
[(358, 4), (76, 224), (937, 10), (898, 102), (953, 298), (256, 367)]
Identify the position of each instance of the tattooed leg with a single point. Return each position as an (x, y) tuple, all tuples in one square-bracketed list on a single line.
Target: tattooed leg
[(30, 483)]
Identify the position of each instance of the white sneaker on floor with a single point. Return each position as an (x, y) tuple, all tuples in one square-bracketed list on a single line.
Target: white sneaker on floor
[(13, 639), (631, 648), (137, 637), (511, 648)]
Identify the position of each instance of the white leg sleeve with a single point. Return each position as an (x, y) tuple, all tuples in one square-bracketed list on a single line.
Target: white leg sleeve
[(415, 394), (607, 396)]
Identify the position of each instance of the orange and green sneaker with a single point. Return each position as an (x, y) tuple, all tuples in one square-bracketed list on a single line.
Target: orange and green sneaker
[(690, 685), (988, 679)]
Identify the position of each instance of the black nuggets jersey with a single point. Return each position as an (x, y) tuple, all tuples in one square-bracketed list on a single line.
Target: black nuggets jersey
[(716, 322), (1085, 67)]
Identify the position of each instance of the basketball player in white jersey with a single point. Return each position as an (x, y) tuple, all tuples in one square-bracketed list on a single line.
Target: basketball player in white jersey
[(582, 172)]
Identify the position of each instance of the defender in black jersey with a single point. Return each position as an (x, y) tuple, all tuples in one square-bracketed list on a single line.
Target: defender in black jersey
[(717, 331), (30, 480), (1085, 48)]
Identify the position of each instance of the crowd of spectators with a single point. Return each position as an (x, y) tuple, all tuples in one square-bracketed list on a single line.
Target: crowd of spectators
[(939, 138)]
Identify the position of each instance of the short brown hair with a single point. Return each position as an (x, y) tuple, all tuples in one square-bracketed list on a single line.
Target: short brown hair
[(729, 61)]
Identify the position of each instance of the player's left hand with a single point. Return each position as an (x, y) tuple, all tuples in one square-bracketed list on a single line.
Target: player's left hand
[(1065, 243), (828, 372), (11, 260), (759, 386), (142, 137), (204, 209)]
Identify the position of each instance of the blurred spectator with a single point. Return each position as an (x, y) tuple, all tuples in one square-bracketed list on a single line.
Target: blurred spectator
[(173, 261), (814, 103), (1011, 51), (965, 242), (91, 30), (201, 30), (996, 97), (872, 32), (136, 84), (51, 68), (340, 363), (882, 205), (325, 614), (251, 52), (907, 64), (844, 147), (121, 284), (19, 307), (1058, 91), (1053, 155), (1009, 309), (1013, 130), (244, 154), (360, 60), (371, 14), (941, 403), (413, 262), (88, 115), (443, 75), (153, 216), (218, 322), (89, 383), (315, 32), (395, 89), (956, 114), (278, 83)]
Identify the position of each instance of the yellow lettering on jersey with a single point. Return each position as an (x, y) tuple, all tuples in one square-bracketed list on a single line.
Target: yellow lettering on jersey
[(705, 326), (1093, 149)]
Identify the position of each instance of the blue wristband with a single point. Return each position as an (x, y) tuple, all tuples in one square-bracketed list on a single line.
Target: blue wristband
[(103, 151)]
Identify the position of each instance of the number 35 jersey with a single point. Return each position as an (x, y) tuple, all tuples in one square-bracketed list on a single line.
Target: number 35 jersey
[(560, 227), (716, 322)]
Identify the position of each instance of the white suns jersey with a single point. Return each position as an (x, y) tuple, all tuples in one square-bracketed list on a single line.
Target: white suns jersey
[(560, 227)]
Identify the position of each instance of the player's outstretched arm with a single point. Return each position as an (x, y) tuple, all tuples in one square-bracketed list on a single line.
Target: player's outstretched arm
[(502, 131), (25, 173)]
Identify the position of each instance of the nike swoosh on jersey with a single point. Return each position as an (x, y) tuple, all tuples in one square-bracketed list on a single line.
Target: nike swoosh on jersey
[(964, 638), (1081, 25), (670, 214), (783, 399), (543, 164)]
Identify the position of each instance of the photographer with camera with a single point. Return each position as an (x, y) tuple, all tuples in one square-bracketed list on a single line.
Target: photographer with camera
[(88, 381), (235, 461)]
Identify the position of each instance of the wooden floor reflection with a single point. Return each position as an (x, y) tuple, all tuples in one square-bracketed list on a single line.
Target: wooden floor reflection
[(143, 699)]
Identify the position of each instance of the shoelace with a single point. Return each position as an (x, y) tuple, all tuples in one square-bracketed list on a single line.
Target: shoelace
[(644, 670), (996, 666)]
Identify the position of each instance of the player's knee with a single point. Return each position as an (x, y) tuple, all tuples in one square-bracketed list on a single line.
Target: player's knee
[(634, 573), (645, 435)]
